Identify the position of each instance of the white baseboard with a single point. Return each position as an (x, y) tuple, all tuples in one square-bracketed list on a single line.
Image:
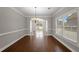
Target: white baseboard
[(12, 43), (46, 34), (64, 44), (29, 35), (49, 34)]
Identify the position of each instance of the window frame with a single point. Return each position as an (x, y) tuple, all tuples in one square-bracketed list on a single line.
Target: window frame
[(71, 11)]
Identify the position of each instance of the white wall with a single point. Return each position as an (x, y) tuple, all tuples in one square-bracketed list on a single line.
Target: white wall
[(71, 45), (12, 26)]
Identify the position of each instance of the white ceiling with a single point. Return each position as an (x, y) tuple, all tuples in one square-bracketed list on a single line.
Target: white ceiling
[(40, 11)]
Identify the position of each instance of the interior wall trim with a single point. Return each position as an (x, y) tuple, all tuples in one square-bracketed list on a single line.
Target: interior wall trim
[(64, 43), (6, 46), (58, 11), (20, 13), (38, 16), (6, 33)]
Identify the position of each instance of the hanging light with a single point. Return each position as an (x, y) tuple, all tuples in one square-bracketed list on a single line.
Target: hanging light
[(35, 11), (34, 18)]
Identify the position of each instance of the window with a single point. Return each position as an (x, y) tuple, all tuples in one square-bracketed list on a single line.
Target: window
[(66, 26), (59, 26), (70, 27)]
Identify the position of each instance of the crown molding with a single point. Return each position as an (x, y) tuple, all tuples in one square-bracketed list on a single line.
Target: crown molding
[(17, 11), (38, 16), (20, 13), (60, 9)]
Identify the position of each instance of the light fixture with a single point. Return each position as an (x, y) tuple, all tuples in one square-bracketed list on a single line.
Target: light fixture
[(34, 18), (35, 11), (49, 8)]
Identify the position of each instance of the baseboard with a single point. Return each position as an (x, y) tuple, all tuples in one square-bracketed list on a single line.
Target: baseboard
[(28, 34), (49, 34), (64, 44), (12, 43)]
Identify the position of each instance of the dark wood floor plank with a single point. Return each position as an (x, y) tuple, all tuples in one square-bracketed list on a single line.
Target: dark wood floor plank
[(28, 44)]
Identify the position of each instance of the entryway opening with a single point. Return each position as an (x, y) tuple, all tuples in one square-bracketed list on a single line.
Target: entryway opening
[(38, 27)]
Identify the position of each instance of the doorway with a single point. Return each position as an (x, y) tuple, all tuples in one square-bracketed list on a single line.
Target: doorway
[(38, 28)]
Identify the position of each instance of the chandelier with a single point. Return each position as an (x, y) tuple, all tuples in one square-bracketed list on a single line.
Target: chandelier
[(34, 17)]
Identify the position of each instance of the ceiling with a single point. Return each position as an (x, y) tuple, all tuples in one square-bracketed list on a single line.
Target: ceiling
[(40, 11)]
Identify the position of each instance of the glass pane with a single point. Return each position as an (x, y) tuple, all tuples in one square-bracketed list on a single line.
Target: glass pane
[(70, 27), (59, 26)]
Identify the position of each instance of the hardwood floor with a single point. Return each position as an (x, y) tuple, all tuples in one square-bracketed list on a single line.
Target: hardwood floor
[(30, 44)]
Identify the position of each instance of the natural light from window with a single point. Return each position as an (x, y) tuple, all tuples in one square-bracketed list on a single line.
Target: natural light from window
[(66, 26)]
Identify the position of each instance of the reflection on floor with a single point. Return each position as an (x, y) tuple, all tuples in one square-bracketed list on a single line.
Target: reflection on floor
[(38, 44)]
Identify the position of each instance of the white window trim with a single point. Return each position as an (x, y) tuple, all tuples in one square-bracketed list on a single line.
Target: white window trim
[(72, 11)]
